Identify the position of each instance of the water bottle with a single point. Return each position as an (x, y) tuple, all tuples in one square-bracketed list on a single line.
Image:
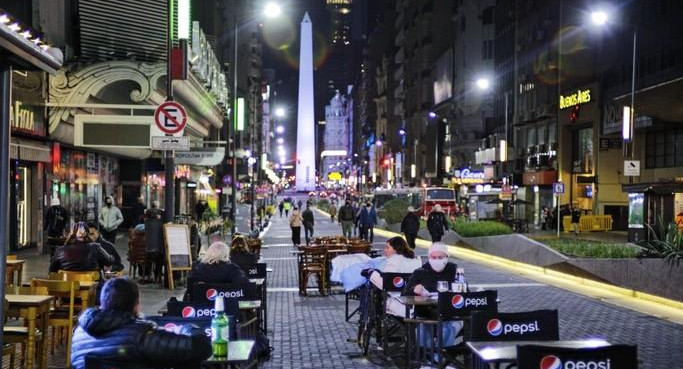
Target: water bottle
[(220, 330), (460, 275)]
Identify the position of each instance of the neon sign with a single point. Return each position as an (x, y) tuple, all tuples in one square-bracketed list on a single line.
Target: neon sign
[(465, 176), (577, 98)]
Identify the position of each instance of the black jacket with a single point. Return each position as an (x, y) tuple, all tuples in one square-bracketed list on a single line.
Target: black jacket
[(111, 250), (307, 217), (243, 259), (218, 273), (346, 213), (56, 219), (437, 223), (410, 223), (80, 256), (122, 337), (427, 277)]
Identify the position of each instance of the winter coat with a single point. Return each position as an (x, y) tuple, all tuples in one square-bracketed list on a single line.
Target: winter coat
[(120, 336), (110, 218), (395, 264), (80, 256), (295, 219), (307, 217), (437, 223), (410, 223), (243, 259), (110, 249), (346, 213), (367, 218), (427, 277), (223, 272)]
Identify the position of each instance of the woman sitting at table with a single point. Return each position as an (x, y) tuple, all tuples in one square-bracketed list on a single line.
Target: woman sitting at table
[(214, 266), (240, 254), (80, 253)]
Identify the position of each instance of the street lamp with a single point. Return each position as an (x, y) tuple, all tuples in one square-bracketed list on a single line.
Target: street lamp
[(280, 129), (271, 10), (280, 112), (601, 18)]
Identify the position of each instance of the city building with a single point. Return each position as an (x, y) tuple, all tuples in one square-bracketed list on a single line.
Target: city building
[(336, 163)]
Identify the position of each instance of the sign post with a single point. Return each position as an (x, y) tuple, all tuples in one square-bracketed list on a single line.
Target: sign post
[(171, 118), (558, 190)]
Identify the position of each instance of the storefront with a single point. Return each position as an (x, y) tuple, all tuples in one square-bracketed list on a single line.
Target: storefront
[(652, 205)]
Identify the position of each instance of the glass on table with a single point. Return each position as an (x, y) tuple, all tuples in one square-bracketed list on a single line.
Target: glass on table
[(442, 286)]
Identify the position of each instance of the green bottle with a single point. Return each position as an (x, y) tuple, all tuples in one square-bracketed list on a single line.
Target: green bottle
[(220, 330)]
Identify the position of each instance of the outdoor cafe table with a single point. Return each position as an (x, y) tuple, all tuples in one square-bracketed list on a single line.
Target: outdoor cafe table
[(32, 308), (494, 353), (239, 354), (12, 267)]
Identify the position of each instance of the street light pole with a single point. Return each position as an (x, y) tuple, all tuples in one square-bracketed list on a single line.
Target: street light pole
[(633, 94), (233, 147), (169, 165)]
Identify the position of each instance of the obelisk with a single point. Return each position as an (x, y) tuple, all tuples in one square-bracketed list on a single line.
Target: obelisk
[(305, 131)]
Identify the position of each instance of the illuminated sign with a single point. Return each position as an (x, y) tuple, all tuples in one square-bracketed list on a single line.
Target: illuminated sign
[(21, 118), (577, 98), (334, 176), (465, 176), (206, 66)]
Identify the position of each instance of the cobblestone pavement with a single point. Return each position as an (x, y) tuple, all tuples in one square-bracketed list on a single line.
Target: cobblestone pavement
[(310, 332)]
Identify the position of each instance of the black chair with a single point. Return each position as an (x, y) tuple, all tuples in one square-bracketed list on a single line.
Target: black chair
[(207, 292), (394, 282), (538, 325), (392, 328), (257, 270), (538, 356)]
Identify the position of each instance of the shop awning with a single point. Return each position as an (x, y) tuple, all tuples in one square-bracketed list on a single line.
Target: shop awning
[(660, 188)]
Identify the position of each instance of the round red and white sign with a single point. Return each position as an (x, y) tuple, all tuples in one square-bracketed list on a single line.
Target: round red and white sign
[(170, 117)]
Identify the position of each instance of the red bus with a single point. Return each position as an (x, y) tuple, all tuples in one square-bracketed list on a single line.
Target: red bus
[(442, 196)]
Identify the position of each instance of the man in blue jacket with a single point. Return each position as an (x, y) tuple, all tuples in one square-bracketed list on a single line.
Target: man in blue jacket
[(367, 221), (115, 332)]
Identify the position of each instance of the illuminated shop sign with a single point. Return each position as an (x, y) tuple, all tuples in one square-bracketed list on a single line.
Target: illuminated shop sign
[(577, 98), (205, 65), (21, 118), (465, 176)]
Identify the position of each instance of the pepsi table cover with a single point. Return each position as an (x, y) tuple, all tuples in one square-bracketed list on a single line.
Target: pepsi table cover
[(394, 282), (550, 357), (459, 304), (207, 292), (538, 325), (486, 352)]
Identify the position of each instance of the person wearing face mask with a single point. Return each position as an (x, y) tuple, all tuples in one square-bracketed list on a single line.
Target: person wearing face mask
[(110, 218), (367, 219), (422, 283), (346, 217)]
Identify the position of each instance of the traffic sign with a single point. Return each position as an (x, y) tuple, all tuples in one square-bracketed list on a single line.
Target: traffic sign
[(171, 143), (170, 117), (558, 188), (631, 168)]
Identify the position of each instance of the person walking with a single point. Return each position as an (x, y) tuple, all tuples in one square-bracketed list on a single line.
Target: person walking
[(333, 211), (109, 220), (410, 225), (308, 222), (299, 203), (356, 215), (367, 221), (576, 218), (280, 207), (346, 218), (287, 206), (295, 222), (437, 224)]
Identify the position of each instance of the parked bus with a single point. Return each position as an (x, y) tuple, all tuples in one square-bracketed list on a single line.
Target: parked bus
[(439, 195)]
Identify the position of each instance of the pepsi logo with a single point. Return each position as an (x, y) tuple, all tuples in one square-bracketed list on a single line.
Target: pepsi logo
[(211, 294), (398, 282), (494, 327), (458, 301), (550, 362), (170, 327), (188, 312)]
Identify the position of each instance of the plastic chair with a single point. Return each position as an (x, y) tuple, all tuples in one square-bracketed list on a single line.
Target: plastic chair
[(61, 318)]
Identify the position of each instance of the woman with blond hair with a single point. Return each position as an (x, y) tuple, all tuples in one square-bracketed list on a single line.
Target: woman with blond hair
[(214, 266), (240, 253)]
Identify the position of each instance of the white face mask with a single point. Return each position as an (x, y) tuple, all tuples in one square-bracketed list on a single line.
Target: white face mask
[(438, 264)]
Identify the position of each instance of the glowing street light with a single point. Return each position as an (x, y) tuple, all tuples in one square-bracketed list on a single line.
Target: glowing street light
[(280, 112), (280, 129), (280, 140), (483, 84), (599, 17), (272, 10)]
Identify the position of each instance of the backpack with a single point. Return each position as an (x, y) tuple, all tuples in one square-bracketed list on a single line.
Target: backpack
[(435, 222)]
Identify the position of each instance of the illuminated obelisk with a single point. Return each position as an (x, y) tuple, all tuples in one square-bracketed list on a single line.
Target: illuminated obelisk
[(305, 131)]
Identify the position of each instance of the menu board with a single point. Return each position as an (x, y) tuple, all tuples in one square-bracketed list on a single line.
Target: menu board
[(177, 239)]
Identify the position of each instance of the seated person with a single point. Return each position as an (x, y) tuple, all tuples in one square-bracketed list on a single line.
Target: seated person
[(80, 253), (107, 246), (214, 266), (114, 331), (240, 253), (423, 283), (399, 259)]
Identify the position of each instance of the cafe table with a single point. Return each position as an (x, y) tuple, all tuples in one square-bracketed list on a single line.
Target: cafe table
[(487, 354), (239, 355), (32, 308), (12, 267)]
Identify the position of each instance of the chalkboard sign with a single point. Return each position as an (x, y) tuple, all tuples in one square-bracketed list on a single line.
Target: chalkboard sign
[(177, 239)]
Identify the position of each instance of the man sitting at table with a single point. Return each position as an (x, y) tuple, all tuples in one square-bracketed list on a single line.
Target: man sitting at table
[(114, 331), (80, 253), (424, 282), (109, 247)]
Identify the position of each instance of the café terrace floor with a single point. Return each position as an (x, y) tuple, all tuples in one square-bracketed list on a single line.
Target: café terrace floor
[(310, 332)]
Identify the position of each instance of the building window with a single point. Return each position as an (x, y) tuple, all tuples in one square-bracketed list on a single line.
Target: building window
[(487, 16), (664, 149), (582, 151)]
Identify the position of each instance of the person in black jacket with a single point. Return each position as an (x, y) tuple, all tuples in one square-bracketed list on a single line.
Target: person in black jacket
[(240, 253), (214, 266), (115, 332), (79, 253), (410, 226), (308, 222), (107, 246), (437, 224)]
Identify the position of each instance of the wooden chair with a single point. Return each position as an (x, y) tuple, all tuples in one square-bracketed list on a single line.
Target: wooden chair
[(63, 316), (11, 257), (80, 276), (18, 335), (137, 253), (358, 249), (9, 349), (313, 261)]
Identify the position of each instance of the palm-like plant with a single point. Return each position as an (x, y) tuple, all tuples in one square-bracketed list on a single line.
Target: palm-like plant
[(666, 242)]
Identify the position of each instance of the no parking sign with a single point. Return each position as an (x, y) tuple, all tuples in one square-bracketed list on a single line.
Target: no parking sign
[(170, 117)]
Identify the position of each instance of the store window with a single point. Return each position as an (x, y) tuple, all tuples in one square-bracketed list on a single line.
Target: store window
[(664, 149), (582, 153)]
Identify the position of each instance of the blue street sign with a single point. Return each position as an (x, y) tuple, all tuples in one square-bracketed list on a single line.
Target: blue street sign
[(558, 188)]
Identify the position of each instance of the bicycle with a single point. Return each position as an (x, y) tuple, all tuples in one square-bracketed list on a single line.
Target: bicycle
[(368, 317)]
